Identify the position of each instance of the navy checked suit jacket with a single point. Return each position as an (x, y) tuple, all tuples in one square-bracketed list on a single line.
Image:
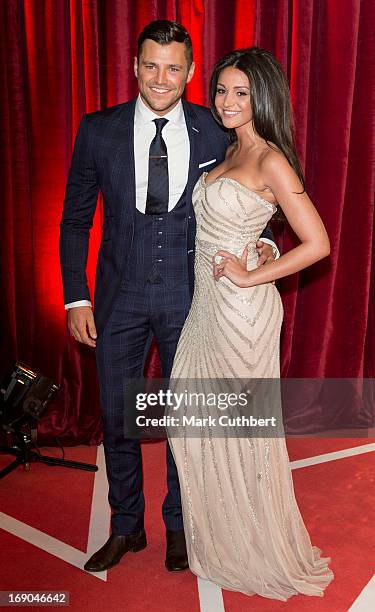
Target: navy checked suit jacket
[(103, 159)]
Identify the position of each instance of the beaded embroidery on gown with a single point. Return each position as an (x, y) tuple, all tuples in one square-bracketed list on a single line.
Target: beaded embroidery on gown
[(243, 527)]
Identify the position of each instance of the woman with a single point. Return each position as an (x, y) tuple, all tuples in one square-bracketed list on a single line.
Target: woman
[(242, 524)]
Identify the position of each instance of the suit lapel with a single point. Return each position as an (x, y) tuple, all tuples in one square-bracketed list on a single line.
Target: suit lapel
[(124, 168), (195, 137)]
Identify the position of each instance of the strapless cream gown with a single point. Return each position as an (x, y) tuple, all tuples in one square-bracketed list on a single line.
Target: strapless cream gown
[(243, 527)]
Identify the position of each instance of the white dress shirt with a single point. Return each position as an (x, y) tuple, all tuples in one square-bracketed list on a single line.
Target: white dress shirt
[(177, 141), (176, 138)]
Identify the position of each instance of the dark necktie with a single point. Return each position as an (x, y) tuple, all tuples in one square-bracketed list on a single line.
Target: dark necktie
[(158, 183)]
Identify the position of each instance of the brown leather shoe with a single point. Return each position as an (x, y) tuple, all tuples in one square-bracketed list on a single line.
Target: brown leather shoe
[(176, 558), (114, 549)]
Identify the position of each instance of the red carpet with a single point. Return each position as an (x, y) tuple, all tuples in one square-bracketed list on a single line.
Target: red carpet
[(336, 500)]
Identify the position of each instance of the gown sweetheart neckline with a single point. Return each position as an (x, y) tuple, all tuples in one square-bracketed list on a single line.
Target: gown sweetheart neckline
[(265, 202)]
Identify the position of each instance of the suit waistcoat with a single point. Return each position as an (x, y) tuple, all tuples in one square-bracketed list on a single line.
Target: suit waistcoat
[(159, 248)]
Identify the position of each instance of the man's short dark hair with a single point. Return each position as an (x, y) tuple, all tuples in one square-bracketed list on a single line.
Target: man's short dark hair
[(163, 32)]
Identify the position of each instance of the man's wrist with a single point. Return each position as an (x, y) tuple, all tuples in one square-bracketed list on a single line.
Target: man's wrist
[(275, 250), (78, 304)]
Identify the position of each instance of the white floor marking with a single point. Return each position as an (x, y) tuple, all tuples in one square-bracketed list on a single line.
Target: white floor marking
[(210, 596), (42, 540), (365, 601), (100, 517), (98, 530), (341, 454)]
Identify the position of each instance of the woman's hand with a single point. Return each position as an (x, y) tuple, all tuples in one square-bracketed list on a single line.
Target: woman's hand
[(232, 267)]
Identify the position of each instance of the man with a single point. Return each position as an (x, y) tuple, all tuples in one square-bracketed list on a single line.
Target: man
[(145, 157)]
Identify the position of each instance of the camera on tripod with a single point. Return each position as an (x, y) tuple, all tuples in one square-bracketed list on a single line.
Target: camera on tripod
[(24, 397)]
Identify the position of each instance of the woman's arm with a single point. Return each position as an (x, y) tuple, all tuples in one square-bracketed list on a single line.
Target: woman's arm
[(302, 216)]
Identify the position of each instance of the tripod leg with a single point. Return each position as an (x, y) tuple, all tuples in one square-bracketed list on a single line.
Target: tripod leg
[(12, 466), (26, 456), (77, 465)]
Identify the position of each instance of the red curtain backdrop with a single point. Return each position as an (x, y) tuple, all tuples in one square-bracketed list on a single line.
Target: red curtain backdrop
[(61, 58)]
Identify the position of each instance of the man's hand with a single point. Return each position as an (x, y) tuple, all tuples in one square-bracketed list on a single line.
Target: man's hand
[(265, 253), (81, 325)]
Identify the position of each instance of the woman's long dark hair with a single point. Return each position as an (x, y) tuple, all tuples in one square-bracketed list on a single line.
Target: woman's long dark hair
[(270, 99)]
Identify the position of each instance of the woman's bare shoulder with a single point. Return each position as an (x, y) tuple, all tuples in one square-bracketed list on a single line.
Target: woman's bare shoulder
[(272, 160), (270, 154)]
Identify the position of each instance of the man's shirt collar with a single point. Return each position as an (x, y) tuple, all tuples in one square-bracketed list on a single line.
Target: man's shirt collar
[(144, 115)]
